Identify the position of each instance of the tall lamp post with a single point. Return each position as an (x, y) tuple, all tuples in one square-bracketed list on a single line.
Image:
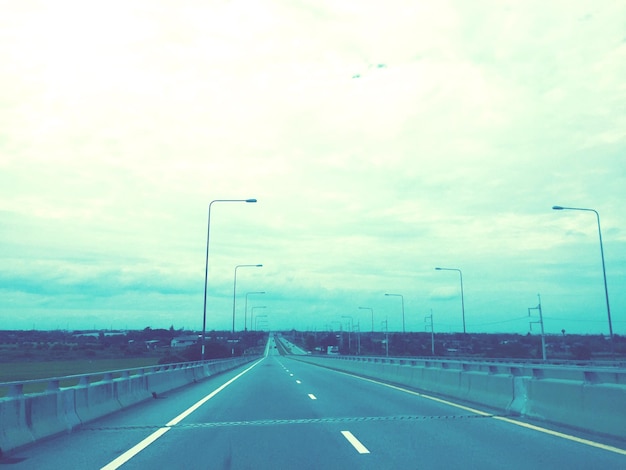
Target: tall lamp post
[(402, 298), (252, 315), (257, 320), (606, 289), (235, 285), (206, 262), (372, 310), (462, 297), (245, 318)]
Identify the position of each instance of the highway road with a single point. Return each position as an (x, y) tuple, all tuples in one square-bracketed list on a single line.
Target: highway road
[(280, 413)]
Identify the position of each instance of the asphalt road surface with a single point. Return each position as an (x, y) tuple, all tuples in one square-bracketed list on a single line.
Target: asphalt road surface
[(280, 413)]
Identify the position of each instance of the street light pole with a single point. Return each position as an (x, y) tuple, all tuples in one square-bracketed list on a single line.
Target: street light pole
[(372, 310), (235, 285), (206, 262), (245, 318), (606, 289), (402, 298), (252, 315), (257, 320), (462, 296)]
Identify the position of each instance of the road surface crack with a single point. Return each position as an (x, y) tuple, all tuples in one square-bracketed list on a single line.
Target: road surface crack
[(278, 422)]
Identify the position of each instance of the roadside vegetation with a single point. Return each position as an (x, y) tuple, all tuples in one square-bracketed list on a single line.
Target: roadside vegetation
[(34, 354), (31, 355), (474, 345)]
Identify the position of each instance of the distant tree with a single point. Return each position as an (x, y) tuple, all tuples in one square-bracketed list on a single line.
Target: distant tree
[(581, 352), (510, 349), (329, 339), (309, 342), (212, 350), (171, 358)]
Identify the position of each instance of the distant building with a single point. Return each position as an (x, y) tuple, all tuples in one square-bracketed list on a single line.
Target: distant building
[(98, 334), (184, 341), (150, 345)]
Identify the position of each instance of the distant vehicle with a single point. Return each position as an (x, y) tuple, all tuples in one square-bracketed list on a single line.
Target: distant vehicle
[(332, 350)]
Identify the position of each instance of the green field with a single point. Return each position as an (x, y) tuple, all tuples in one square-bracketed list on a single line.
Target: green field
[(22, 371), (14, 371)]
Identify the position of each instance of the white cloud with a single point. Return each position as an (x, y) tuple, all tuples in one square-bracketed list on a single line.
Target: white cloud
[(120, 123)]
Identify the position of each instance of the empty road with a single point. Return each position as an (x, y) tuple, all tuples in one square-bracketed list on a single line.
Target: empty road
[(280, 413)]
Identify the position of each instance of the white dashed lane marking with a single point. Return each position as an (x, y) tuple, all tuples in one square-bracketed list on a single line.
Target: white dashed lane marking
[(360, 448)]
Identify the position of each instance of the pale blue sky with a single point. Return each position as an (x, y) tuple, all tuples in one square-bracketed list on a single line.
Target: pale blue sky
[(381, 139)]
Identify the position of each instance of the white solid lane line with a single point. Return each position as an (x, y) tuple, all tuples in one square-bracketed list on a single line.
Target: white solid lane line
[(360, 448), (129, 454), (568, 437)]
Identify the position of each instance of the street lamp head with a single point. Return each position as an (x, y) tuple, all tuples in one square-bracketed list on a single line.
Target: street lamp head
[(438, 269), (259, 265), (250, 200), (557, 208)]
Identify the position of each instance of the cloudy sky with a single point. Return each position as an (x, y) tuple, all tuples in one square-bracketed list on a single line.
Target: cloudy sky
[(381, 139)]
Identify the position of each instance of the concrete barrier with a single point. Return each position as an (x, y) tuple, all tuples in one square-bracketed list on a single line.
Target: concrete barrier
[(590, 399), (131, 390), (27, 418), (584, 404), (14, 429), (51, 413), (495, 386)]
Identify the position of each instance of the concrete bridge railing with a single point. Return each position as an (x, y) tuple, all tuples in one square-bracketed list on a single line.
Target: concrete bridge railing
[(67, 402), (592, 399)]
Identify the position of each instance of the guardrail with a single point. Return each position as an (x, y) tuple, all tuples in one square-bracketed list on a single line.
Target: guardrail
[(67, 402), (587, 398), (619, 363), (51, 384)]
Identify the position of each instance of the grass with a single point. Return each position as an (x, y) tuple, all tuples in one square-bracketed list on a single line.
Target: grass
[(23, 371), (14, 371)]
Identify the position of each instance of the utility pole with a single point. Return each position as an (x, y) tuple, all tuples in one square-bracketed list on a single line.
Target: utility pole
[(543, 336), (386, 336), (428, 320)]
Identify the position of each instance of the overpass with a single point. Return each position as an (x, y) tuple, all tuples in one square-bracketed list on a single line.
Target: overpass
[(284, 411)]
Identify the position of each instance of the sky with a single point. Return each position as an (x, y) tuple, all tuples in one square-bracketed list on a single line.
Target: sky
[(381, 140)]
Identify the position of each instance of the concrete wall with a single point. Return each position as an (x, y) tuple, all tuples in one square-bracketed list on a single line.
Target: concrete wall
[(589, 399), (25, 419)]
